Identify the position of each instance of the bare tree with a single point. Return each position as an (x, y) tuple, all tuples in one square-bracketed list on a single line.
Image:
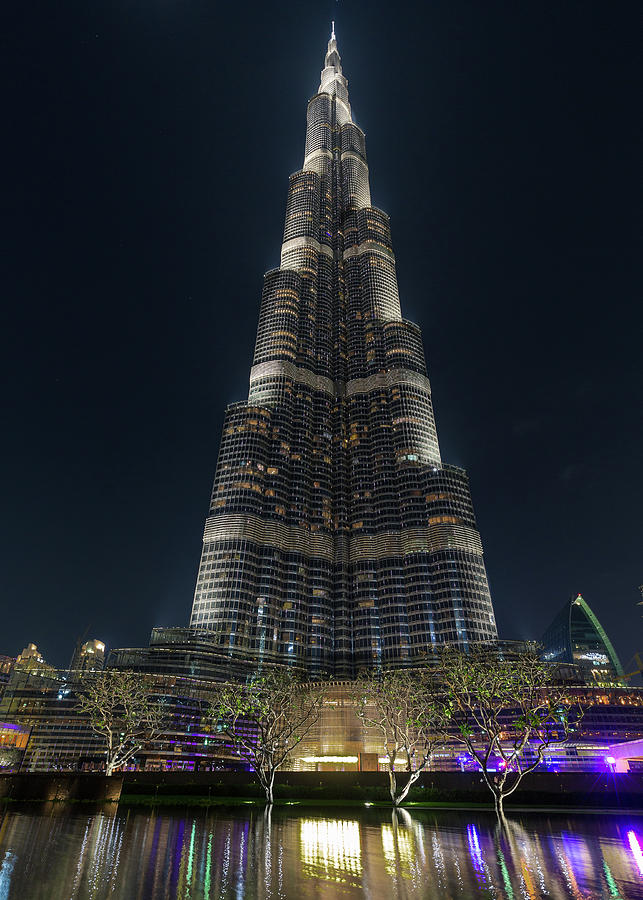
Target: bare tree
[(266, 718), (406, 709), (119, 707), (502, 708)]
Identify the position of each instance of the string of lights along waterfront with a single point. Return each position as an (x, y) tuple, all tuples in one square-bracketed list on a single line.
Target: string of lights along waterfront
[(337, 538)]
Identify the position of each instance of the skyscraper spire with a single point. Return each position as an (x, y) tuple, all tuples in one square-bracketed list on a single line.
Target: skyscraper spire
[(332, 30), (337, 538), (331, 76)]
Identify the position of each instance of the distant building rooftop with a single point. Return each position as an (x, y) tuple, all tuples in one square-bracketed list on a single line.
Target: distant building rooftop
[(577, 637)]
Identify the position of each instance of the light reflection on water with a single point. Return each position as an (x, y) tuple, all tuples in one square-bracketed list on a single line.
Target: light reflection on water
[(331, 850), (257, 854)]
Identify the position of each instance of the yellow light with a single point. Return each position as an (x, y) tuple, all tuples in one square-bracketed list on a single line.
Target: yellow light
[(398, 849), (332, 846), (329, 759)]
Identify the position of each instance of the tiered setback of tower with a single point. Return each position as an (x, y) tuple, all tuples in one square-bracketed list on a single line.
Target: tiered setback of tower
[(337, 538)]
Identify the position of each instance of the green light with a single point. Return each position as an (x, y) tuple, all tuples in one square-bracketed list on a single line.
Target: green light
[(208, 869), (505, 875), (190, 860), (612, 885)]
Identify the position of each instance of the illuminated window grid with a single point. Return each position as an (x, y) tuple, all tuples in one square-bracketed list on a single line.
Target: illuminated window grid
[(332, 468)]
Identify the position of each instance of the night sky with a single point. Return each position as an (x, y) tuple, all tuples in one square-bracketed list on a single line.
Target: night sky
[(147, 148)]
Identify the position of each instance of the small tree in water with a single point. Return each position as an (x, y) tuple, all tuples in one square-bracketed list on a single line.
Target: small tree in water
[(266, 719), (500, 708), (120, 709), (405, 708)]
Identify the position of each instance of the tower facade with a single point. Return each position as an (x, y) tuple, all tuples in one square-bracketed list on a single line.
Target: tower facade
[(337, 538)]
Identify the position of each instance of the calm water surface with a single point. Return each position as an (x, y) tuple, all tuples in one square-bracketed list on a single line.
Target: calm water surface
[(295, 853)]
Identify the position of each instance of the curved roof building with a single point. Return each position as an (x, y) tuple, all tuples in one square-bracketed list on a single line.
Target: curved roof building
[(577, 637)]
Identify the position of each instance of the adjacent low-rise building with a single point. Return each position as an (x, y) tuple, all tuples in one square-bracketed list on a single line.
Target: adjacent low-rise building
[(184, 667), (57, 737)]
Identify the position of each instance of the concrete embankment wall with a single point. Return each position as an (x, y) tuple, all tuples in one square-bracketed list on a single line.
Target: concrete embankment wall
[(579, 789), (46, 786), (586, 790)]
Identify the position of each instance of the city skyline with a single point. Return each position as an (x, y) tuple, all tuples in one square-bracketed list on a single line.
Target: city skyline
[(89, 497)]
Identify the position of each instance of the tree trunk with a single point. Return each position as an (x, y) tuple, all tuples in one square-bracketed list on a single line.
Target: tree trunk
[(270, 788), (392, 786), (109, 767), (413, 777), (495, 785)]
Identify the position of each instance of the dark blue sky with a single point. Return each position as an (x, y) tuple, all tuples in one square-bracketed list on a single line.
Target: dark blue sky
[(147, 148)]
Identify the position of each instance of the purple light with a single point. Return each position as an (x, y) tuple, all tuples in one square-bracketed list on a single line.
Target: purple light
[(635, 847), (474, 848), (575, 852)]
